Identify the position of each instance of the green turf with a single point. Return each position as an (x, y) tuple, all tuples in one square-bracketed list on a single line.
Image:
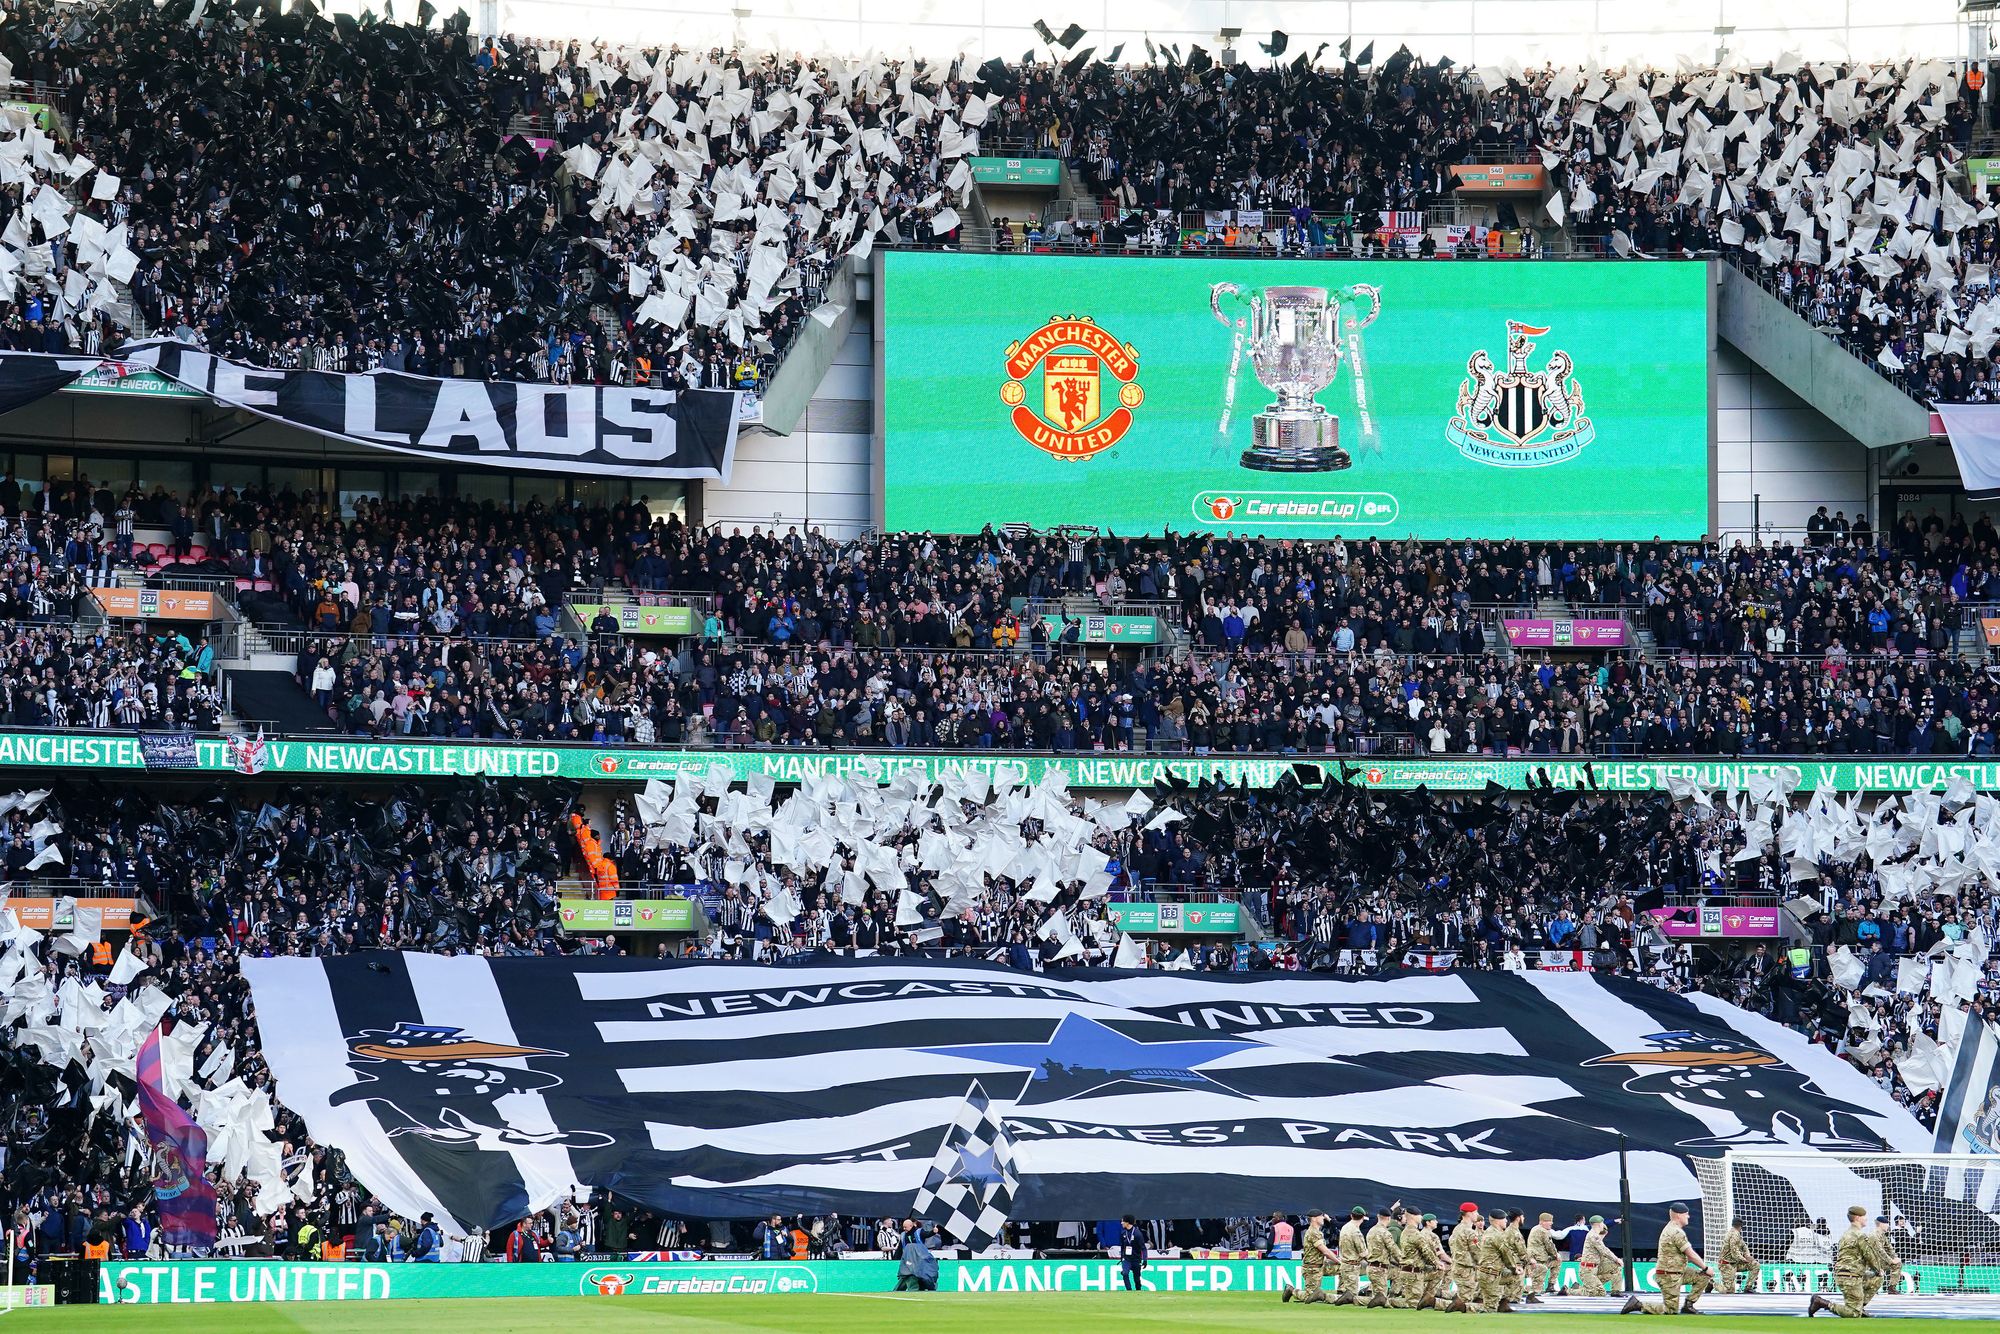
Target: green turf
[(960, 1313)]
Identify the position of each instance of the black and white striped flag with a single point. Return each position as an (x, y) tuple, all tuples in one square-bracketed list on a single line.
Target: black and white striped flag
[(971, 1182), (480, 1089)]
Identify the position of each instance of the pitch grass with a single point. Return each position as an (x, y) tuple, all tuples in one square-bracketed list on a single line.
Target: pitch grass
[(957, 1313)]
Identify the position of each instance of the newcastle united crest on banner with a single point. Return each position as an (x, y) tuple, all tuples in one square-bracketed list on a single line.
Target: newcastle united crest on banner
[(1520, 418)]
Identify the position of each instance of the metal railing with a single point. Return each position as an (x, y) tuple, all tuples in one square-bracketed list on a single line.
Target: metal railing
[(1694, 898), (223, 586), (294, 641), (1770, 534), (1254, 246), (69, 886), (627, 595), (1163, 609)]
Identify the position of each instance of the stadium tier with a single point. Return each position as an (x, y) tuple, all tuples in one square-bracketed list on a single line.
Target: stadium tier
[(751, 672)]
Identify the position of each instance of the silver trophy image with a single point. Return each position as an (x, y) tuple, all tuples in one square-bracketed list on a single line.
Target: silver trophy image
[(1296, 337)]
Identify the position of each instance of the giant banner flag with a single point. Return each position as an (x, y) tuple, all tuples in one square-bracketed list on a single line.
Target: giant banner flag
[(480, 1089), (600, 430), (1969, 1112), (596, 430), (181, 1189)]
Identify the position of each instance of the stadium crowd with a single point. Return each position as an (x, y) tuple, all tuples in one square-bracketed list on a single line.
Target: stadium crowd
[(1479, 881), (563, 211), (416, 228), (447, 207), (423, 616)]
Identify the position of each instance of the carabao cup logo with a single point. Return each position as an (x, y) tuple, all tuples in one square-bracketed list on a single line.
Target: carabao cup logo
[(1079, 414)]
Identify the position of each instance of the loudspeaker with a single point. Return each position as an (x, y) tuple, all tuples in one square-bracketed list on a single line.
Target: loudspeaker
[(75, 1280)]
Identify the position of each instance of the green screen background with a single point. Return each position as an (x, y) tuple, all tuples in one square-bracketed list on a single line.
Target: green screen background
[(1637, 333)]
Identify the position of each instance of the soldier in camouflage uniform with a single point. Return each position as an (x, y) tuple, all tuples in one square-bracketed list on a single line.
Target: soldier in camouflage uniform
[(1670, 1270), (1385, 1256), (1601, 1265), (1424, 1263), (1503, 1258), (1407, 1224), (1734, 1261), (1856, 1257), (1465, 1258), (1314, 1256), (1891, 1276), (1353, 1245), (1544, 1260)]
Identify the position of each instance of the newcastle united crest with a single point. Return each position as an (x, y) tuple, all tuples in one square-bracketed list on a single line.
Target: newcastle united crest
[(1520, 418), (1080, 414)]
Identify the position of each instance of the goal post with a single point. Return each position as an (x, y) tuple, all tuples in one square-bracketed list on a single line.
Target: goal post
[(1943, 1211)]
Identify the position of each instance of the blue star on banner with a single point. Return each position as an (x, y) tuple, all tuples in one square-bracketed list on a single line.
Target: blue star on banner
[(1084, 1057), (976, 1166)]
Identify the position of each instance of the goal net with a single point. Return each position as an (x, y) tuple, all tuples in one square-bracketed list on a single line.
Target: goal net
[(1943, 1212)]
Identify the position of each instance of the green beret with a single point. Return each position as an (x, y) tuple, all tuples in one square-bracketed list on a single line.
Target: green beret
[(1595, 1219), (1857, 1211), (1357, 1212), (1430, 1218)]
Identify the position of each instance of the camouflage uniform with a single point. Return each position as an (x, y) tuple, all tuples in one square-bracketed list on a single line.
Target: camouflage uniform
[(1314, 1256), (1855, 1258), (1385, 1257), (1544, 1260), (1501, 1259), (1735, 1259), (1353, 1245), (1670, 1272), (1423, 1258), (1406, 1273), (1601, 1267), (1890, 1276), (1465, 1260)]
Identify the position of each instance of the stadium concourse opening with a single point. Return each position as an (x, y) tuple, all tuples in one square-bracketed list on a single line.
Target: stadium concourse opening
[(1190, 672)]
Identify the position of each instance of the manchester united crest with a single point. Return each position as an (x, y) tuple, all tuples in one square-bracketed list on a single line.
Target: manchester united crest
[(1089, 387), (1520, 418)]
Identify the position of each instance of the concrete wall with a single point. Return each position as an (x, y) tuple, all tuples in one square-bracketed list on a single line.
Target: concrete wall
[(1846, 389), (819, 475), (1777, 457)]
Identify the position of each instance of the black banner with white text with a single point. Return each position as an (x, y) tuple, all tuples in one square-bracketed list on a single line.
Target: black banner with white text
[(483, 1088), (579, 429)]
